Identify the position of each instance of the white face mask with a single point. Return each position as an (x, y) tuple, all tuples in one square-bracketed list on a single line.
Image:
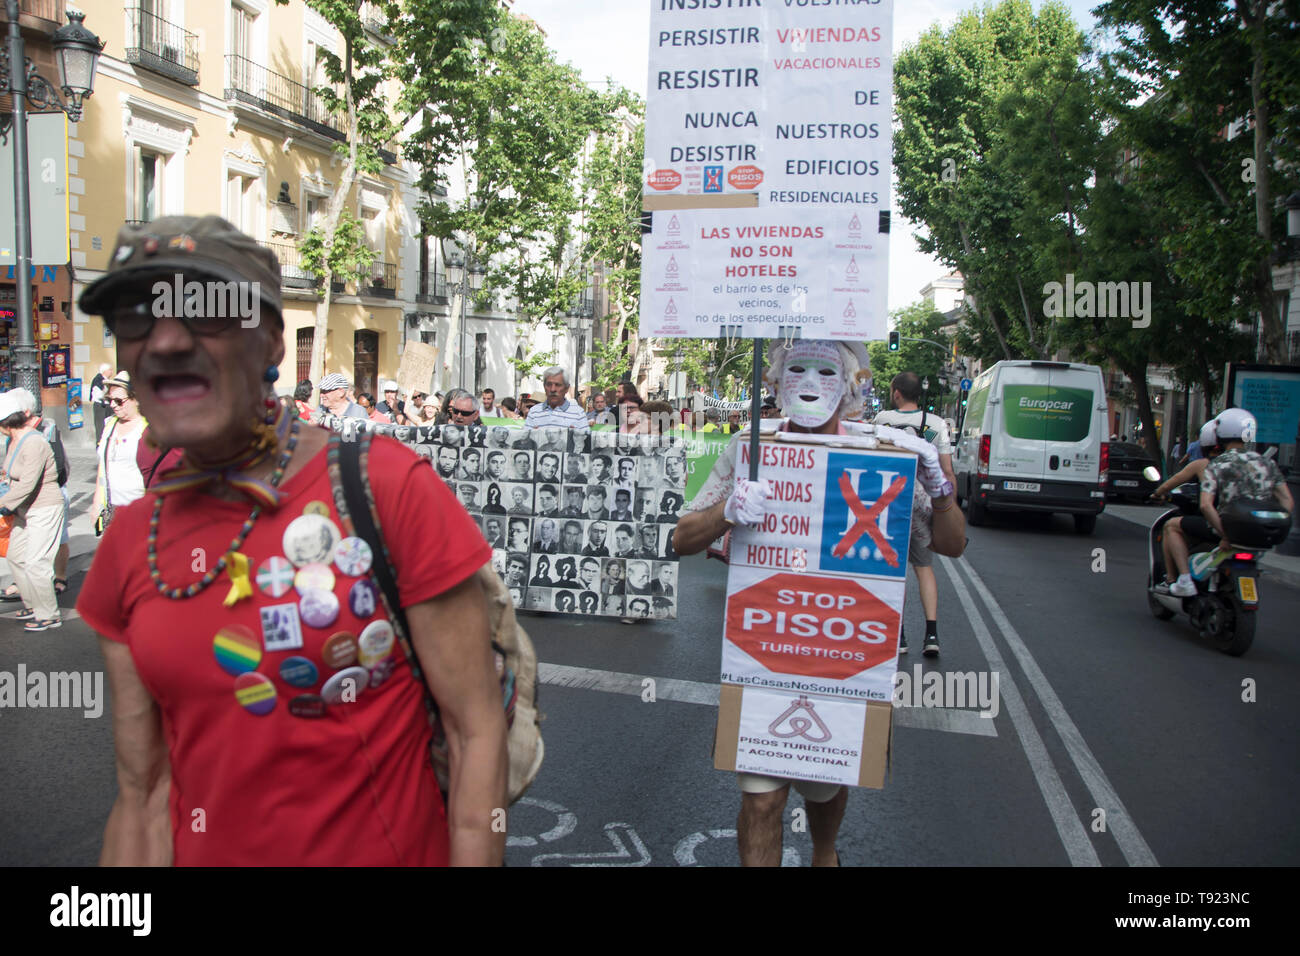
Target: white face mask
[(812, 383)]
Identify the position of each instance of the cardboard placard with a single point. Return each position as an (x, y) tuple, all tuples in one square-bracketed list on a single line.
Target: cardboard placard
[(416, 370), (803, 737)]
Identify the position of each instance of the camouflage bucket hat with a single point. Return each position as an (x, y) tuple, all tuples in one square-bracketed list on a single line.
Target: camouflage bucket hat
[(185, 245)]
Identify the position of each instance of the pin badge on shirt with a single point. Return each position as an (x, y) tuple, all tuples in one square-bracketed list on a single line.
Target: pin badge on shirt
[(307, 706), (353, 557), (310, 539), (346, 686), (363, 598), (313, 577), (340, 650), (375, 642), (255, 693), (236, 650), (275, 576), (281, 629), (318, 608), (298, 672)]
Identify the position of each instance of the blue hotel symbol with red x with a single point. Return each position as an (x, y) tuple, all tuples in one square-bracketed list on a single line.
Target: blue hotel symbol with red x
[(713, 179)]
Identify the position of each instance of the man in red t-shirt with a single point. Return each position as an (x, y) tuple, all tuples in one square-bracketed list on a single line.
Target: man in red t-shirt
[(271, 718)]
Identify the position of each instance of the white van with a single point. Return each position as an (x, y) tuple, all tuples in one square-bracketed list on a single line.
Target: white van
[(1034, 439)]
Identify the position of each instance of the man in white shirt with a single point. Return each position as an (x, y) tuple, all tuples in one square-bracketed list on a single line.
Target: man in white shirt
[(557, 410), (905, 394)]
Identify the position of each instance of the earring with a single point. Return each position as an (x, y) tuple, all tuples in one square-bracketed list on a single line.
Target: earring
[(271, 374)]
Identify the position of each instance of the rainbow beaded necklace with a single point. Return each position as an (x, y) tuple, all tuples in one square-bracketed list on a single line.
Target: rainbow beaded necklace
[(179, 594)]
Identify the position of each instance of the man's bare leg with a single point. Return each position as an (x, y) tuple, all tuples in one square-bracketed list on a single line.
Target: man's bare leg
[(758, 828), (824, 826)]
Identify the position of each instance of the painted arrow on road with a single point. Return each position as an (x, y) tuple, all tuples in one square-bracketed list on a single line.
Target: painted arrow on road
[(621, 855)]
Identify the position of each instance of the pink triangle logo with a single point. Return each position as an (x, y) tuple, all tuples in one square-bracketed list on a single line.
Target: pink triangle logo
[(671, 269), (849, 311), (671, 310), (674, 227), (855, 227), (852, 271)]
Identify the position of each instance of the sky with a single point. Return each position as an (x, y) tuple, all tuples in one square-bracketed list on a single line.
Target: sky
[(611, 39)]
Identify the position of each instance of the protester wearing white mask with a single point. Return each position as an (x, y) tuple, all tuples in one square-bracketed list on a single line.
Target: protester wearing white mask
[(816, 386)]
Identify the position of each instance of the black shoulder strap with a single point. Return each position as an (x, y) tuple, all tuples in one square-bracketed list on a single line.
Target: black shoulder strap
[(354, 501)]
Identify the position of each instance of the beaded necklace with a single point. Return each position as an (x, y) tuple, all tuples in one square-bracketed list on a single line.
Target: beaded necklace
[(177, 594)]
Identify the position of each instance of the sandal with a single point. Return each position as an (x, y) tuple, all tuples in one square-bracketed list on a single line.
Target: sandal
[(26, 614), (11, 594), (43, 625), (60, 585)]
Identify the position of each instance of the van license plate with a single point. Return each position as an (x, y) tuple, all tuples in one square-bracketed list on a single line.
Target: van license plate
[(1246, 588), (1120, 483), (1022, 486)]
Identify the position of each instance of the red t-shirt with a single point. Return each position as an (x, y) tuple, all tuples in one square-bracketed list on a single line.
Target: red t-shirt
[(352, 787)]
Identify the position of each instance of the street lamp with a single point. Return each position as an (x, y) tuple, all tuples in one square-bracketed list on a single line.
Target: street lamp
[(463, 281), (77, 51)]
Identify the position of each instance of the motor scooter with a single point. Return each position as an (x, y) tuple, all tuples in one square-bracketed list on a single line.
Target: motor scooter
[(1227, 597)]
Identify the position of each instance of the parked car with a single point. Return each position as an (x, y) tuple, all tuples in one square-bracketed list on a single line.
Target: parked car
[(1127, 462)]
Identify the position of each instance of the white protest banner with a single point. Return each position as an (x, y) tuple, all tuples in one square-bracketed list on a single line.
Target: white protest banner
[(837, 510), (815, 593), (812, 633), (789, 103), (794, 735)]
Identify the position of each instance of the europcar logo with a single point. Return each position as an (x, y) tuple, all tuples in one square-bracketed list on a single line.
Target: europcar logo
[(866, 517)]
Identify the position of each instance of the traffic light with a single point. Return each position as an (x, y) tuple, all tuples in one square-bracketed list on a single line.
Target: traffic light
[(893, 341), (963, 401)]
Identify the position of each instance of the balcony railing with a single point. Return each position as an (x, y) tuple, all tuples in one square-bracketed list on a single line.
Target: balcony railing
[(163, 47), (292, 274), (383, 280), (251, 83), (432, 288)]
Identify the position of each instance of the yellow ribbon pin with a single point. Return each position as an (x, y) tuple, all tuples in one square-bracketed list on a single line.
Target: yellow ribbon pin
[(240, 586)]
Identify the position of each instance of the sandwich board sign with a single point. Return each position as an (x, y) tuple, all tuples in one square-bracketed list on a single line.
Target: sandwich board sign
[(814, 610)]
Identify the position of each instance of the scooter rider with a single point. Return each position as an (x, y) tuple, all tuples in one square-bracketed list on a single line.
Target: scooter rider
[(1192, 472), (1234, 473)]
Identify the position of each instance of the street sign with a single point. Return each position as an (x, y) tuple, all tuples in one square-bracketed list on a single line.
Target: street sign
[(965, 384), (47, 166)]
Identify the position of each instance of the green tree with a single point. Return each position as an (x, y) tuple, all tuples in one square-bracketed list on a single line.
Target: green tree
[(917, 321), (504, 129), (1194, 67), (613, 234), (355, 94), (951, 176)]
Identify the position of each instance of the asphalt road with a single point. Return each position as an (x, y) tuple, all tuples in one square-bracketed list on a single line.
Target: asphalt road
[(1120, 740)]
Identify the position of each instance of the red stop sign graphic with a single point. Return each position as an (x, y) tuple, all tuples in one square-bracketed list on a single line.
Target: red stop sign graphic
[(745, 177), (832, 628), (664, 179)]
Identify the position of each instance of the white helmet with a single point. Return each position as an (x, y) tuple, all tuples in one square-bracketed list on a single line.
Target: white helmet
[(1209, 437), (1235, 424)]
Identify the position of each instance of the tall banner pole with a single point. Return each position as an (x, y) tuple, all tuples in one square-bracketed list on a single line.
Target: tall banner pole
[(755, 409)]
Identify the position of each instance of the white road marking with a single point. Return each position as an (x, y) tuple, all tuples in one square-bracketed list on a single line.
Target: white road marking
[(620, 853), (612, 682), (684, 853), (697, 692), (566, 823), (1118, 822), (1074, 837), (945, 718)]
